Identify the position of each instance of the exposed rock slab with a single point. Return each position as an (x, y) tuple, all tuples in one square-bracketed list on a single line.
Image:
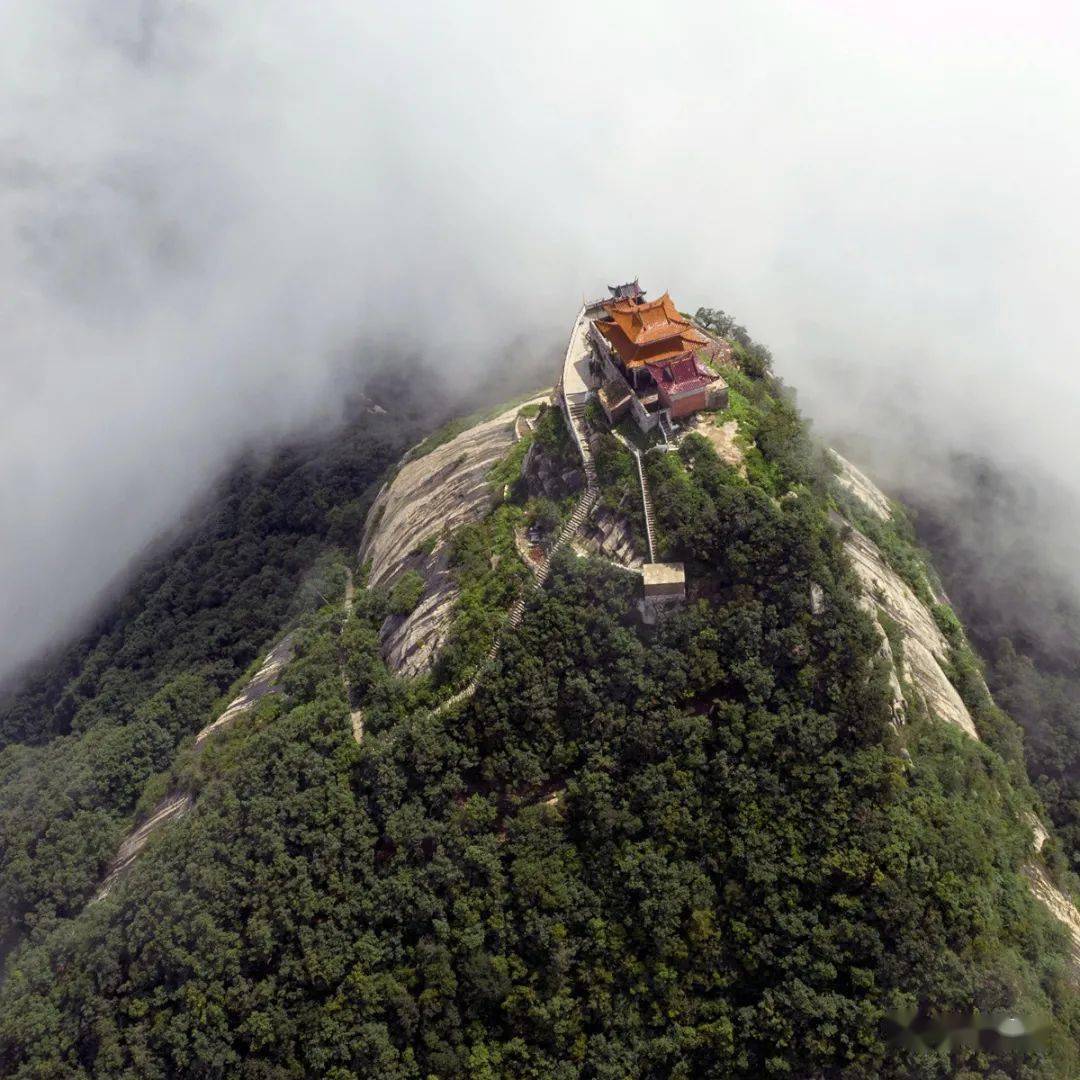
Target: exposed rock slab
[(429, 498), (546, 477), (264, 682), (436, 493), (1059, 905), (608, 535), (1039, 835), (897, 707), (924, 647), (410, 644), (172, 806), (892, 594), (924, 644), (862, 487), (922, 669)]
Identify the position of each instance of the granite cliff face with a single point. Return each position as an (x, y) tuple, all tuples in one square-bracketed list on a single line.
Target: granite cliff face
[(924, 651), (924, 645), (431, 495)]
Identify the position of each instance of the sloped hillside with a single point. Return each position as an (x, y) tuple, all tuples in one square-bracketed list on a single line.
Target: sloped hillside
[(716, 845), (921, 658), (88, 743)]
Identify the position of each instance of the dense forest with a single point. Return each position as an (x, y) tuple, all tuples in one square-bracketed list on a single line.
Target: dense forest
[(84, 738), (694, 849)]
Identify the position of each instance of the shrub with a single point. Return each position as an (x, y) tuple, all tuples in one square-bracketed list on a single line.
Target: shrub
[(543, 513), (406, 593)]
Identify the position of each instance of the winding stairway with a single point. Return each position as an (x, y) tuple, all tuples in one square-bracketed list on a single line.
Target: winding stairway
[(541, 573)]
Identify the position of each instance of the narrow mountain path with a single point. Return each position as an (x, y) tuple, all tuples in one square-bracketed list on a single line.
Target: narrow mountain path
[(646, 498), (177, 803), (646, 503), (356, 716), (542, 571)]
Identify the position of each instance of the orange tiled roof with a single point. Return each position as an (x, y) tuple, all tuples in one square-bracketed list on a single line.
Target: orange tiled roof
[(648, 332)]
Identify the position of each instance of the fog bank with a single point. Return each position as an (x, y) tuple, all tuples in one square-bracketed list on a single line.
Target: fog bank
[(213, 216)]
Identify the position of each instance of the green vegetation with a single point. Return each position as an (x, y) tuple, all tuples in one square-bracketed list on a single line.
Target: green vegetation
[(1046, 704), (428, 545), (406, 593), (688, 850), (644, 440), (778, 453), (620, 489), (94, 728), (1021, 616), (896, 540), (508, 470), (544, 514), (489, 574), (555, 440), (753, 358)]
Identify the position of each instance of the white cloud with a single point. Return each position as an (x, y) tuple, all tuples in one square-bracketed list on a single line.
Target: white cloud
[(201, 203)]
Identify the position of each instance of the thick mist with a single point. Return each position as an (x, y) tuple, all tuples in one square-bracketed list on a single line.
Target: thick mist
[(214, 218)]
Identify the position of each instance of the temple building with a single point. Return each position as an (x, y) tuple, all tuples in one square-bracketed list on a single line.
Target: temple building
[(639, 332), (630, 291), (652, 361)]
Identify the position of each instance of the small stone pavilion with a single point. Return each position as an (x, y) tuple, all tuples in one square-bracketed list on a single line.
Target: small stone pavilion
[(652, 361)]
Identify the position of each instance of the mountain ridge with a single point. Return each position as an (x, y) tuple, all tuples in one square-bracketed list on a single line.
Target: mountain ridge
[(706, 844)]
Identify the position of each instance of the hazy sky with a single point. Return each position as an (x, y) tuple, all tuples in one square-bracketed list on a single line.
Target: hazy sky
[(203, 203)]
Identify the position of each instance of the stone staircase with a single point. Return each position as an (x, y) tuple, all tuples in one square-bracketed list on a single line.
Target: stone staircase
[(540, 575), (646, 503), (666, 429)]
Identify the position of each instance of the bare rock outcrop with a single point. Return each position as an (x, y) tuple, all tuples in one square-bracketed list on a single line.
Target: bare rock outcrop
[(428, 499), (262, 683), (897, 707), (1059, 905), (1042, 886), (722, 436), (174, 805), (410, 643), (547, 478), (608, 534), (862, 487), (924, 645)]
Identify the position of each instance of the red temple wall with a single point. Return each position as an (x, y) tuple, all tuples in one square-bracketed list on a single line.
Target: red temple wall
[(684, 406)]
